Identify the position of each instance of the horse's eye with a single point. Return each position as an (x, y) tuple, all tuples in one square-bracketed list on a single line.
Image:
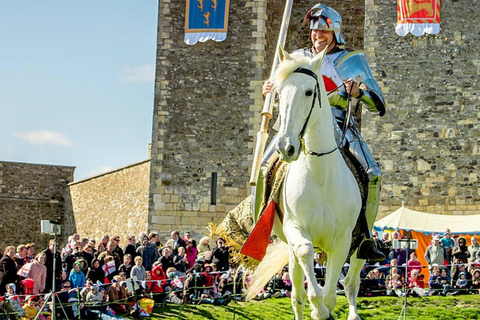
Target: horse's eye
[(308, 93)]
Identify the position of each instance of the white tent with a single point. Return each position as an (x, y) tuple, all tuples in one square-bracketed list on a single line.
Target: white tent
[(407, 219)]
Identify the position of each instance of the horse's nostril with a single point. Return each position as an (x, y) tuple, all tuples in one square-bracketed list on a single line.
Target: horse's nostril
[(290, 150)]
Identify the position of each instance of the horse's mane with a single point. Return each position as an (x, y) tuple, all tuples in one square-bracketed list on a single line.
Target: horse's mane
[(286, 68)]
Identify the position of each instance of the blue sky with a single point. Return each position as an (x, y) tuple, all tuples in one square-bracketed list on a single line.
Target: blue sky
[(77, 82)]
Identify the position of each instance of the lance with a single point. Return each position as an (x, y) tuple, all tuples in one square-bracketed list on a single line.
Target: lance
[(262, 134)]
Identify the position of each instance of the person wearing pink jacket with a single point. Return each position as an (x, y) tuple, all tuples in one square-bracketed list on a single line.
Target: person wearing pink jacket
[(38, 273)]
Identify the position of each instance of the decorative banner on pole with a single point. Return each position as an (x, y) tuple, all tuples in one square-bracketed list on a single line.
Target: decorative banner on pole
[(205, 20), (418, 17)]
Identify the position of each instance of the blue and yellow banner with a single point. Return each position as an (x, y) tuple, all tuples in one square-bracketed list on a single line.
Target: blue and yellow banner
[(205, 20)]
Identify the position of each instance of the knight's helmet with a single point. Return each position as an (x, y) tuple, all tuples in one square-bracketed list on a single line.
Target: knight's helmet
[(322, 17)]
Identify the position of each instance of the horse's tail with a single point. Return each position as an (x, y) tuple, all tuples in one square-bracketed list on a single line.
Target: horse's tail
[(273, 262)]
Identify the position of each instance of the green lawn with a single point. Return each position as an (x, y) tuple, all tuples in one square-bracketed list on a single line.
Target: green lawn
[(372, 308)]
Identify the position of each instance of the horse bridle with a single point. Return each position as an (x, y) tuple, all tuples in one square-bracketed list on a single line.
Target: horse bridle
[(304, 128)]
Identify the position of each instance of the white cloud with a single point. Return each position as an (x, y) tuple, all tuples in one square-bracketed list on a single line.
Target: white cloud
[(45, 137), (144, 73)]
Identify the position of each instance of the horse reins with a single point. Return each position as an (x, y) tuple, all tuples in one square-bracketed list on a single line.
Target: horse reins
[(317, 89)]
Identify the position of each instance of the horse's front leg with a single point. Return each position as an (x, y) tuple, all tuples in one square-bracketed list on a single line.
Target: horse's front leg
[(335, 262), (303, 250), (299, 296), (352, 284)]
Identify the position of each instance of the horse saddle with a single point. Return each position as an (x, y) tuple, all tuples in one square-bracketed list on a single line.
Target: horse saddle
[(268, 193)]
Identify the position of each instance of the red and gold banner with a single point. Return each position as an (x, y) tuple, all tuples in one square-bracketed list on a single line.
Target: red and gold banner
[(418, 17)]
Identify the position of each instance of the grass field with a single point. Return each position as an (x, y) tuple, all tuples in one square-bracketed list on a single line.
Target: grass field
[(372, 308)]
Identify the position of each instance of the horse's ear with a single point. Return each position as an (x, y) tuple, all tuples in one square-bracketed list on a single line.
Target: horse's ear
[(317, 61), (283, 55)]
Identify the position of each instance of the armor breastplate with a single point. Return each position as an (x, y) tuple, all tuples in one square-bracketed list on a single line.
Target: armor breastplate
[(342, 65)]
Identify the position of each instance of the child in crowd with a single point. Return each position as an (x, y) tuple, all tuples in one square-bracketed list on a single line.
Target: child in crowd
[(462, 282), (394, 285), (476, 281), (126, 266), (138, 270), (14, 303)]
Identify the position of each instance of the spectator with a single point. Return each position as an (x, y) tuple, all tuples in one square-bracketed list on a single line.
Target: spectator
[(433, 284), (445, 281), (413, 264), (50, 253), (476, 281), (30, 251), (461, 268), (105, 239), (83, 243), (394, 285), (447, 243), (101, 247), (415, 284), (180, 261), (95, 272), (77, 278), (371, 285), (38, 273), (110, 254), (203, 246), (221, 255), (473, 250), (116, 241), (66, 297), (155, 240), (13, 299), (188, 236), (394, 264), (462, 283), (21, 256), (435, 254), (148, 253), (131, 247), (191, 252), (70, 257), (178, 242), (117, 296), (460, 252), (87, 254), (8, 270), (138, 269), (126, 266), (158, 276), (166, 260)]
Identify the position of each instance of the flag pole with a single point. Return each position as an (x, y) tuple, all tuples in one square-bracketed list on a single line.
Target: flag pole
[(262, 134)]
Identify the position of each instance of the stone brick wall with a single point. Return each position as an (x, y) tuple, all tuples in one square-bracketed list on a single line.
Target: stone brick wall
[(114, 203), (428, 142), (30, 193), (200, 126)]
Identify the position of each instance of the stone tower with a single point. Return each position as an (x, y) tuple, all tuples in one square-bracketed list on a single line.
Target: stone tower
[(208, 100), (207, 108)]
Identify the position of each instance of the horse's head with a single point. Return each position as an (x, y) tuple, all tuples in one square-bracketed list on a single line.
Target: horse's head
[(299, 89)]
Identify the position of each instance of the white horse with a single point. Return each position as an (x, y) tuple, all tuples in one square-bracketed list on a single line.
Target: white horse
[(321, 200)]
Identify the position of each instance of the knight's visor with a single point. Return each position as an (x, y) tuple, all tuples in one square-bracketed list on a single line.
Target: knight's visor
[(320, 22)]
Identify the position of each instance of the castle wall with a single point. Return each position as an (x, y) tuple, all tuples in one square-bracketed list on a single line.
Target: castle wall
[(30, 193), (428, 142), (113, 203)]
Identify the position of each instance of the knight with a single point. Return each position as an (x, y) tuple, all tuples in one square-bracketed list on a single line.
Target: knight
[(346, 75)]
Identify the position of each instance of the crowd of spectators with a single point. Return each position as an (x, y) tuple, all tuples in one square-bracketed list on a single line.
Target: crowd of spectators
[(454, 268), (103, 276)]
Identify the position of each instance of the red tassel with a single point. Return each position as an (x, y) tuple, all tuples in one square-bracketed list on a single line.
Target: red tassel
[(257, 242)]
